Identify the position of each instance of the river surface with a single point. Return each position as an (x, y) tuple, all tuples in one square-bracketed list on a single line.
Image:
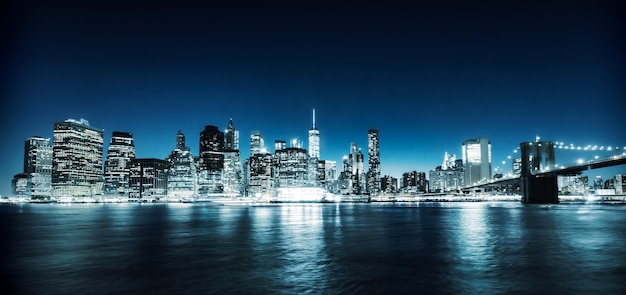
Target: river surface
[(450, 248)]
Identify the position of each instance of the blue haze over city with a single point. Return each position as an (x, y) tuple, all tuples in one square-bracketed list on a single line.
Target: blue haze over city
[(427, 76)]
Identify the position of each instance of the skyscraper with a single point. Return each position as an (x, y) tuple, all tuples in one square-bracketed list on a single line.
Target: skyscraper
[(38, 167), (292, 167), (232, 176), (260, 179), (320, 172), (182, 179), (211, 160), (358, 168), (330, 170), (414, 182), (180, 140), (232, 137), (256, 142), (389, 184), (77, 159), (279, 144), (148, 180), (448, 176), (373, 162), (477, 160), (314, 140), (353, 168), (314, 156), (211, 149), (116, 170)]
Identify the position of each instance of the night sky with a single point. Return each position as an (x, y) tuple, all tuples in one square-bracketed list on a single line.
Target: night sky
[(428, 76)]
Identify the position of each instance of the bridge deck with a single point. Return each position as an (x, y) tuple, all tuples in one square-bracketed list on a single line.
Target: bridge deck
[(573, 169)]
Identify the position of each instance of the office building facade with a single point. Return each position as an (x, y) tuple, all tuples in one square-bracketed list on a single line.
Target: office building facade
[(476, 161), (148, 180), (414, 182), (211, 161), (116, 167), (77, 159), (280, 144), (38, 167), (260, 181), (182, 177), (257, 143), (20, 186), (291, 167), (389, 184), (232, 175), (448, 176), (357, 168), (231, 137), (373, 162)]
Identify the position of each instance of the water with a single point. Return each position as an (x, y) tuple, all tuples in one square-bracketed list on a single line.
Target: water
[(454, 248)]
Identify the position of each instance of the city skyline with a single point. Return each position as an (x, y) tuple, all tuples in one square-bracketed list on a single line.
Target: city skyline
[(427, 76), (213, 138)]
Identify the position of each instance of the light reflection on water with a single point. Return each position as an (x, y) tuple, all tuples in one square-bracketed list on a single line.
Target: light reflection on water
[(460, 248)]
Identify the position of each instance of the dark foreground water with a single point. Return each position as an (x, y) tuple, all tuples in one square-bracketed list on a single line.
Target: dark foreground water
[(456, 248)]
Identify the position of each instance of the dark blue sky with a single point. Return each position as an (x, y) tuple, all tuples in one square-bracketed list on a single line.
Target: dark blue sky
[(428, 76)]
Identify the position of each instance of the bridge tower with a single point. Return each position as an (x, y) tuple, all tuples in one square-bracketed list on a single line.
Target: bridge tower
[(538, 187)]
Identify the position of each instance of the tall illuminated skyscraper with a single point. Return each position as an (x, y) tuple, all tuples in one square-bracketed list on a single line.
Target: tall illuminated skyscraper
[(477, 160), (256, 142), (330, 170), (77, 159), (232, 176), (356, 167), (373, 162), (38, 167), (260, 179), (182, 178), (314, 156), (116, 170), (211, 160), (232, 137), (292, 167), (314, 140), (211, 149)]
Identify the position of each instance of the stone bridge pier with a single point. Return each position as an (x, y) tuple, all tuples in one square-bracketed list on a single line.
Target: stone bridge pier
[(538, 187)]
